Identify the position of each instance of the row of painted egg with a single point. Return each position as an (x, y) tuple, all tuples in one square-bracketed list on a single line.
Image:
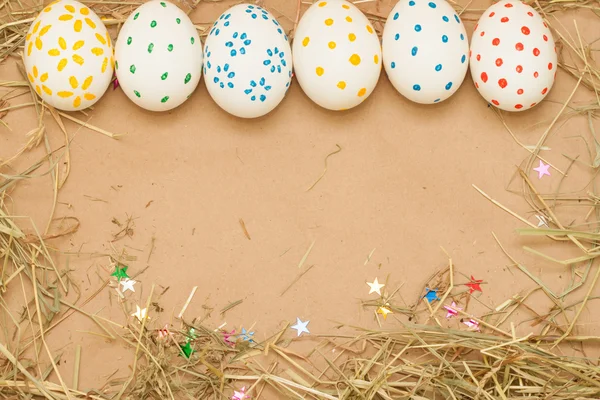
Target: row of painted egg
[(247, 58)]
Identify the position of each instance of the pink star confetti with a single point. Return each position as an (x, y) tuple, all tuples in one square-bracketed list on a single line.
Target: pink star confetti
[(452, 310), (115, 83), (227, 336), (472, 324), (542, 170), (241, 395), (164, 332)]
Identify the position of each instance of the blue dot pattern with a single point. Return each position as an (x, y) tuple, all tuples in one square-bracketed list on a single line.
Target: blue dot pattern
[(415, 26), (275, 70)]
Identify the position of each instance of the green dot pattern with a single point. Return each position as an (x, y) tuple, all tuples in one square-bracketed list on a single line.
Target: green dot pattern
[(192, 40), (187, 78), (178, 21), (162, 3), (164, 99), (170, 47), (136, 16), (116, 64), (164, 76), (132, 69), (153, 24), (129, 40), (137, 93), (150, 47)]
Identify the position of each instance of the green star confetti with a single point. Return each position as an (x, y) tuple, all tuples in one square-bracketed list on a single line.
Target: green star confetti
[(191, 335), (186, 350), (120, 272)]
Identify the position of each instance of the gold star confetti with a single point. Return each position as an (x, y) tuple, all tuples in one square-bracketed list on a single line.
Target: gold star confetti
[(384, 311)]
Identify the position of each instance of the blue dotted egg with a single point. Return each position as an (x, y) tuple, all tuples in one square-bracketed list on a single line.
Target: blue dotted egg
[(414, 51), (438, 67), (417, 28), (444, 38), (416, 87)]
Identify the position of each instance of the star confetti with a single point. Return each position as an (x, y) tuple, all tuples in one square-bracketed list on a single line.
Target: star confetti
[(542, 170), (542, 221), (140, 313), (474, 285), (115, 83), (227, 336), (191, 335), (246, 336), (375, 287), (301, 326), (431, 295), (452, 310), (120, 272), (164, 332), (472, 324), (128, 285), (186, 350), (241, 395), (384, 311)]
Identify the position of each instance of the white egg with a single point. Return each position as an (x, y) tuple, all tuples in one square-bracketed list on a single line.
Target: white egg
[(68, 56), (158, 56), (513, 56), (248, 65), (425, 49), (337, 55)]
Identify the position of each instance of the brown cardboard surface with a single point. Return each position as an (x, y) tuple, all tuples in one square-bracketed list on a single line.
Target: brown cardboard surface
[(400, 188)]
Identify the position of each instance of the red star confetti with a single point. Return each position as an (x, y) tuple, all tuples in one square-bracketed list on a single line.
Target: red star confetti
[(164, 332), (474, 285), (241, 395), (452, 310), (472, 324), (542, 170)]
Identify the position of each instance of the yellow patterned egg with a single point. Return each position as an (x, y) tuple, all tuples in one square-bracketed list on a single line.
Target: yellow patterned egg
[(337, 55), (68, 56)]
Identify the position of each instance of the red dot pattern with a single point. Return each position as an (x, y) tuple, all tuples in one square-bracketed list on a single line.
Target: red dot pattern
[(499, 74)]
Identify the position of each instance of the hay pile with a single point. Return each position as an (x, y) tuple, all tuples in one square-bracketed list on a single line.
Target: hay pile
[(416, 361)]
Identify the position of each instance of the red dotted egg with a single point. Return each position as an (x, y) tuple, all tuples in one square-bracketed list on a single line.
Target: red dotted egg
[(516, 62)]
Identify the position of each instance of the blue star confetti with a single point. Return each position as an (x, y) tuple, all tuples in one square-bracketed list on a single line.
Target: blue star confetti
[(431, 295), (246, 336)]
